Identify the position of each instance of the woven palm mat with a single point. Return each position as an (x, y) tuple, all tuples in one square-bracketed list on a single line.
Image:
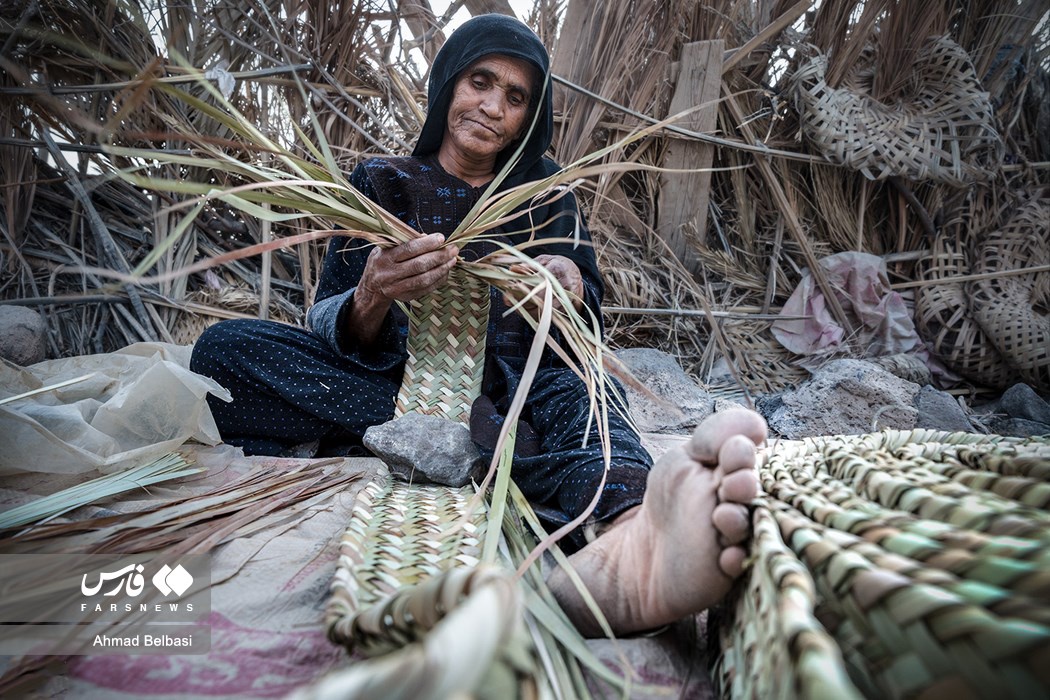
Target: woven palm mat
[(446, 349), (399, 535), (943, 132), (896, 564), (408, 591)]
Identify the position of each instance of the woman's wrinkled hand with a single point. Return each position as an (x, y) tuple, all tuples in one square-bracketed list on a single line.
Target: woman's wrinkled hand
[(408, 271), (563, 269)]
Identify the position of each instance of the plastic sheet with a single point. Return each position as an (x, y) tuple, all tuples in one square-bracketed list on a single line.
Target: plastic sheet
[(881, 321), (139, 403)]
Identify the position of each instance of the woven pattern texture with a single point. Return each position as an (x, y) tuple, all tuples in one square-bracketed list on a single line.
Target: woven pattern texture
[(446, 349), (896, 564), (399, 535), (991, 330), (1005, 306), (944, 132), (409, 592)]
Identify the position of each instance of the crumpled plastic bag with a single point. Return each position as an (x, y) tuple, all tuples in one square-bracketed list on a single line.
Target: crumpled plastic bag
[(140, 403), (880, 319)]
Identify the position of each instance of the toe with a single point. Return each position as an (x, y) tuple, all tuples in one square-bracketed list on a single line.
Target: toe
[(732, 521), (731, 561), (738, 487), (715, 430), (738, 452)]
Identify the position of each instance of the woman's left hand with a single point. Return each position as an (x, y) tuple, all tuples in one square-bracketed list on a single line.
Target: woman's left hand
[(565, 271)]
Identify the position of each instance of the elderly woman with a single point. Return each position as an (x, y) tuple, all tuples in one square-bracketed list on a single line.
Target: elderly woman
[(665, 552)]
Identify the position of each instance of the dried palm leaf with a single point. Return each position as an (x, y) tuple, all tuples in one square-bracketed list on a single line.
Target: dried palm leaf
[(171, 466)]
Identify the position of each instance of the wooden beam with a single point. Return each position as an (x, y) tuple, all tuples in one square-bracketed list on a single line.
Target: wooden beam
[(572, 47), (684, 197), (484, 7)]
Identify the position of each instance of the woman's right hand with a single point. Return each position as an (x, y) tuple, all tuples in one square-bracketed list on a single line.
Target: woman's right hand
[(401, 273), (407, 271)]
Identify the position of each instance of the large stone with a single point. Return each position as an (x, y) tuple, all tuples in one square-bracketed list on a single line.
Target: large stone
[(23, 335), (938, 410), (1019, 427), (677, 403), (1021, 401), (1019, 412), (844, 397), (425, 449)]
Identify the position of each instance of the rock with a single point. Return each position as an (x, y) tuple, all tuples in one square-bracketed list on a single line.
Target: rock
[(23, 335), (1021, 401), (1019, 412), (939, 411), (419, 448), (680, 403), (844, 397), (1020, 427)]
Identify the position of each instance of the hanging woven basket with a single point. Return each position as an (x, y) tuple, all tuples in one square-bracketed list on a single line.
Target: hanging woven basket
[(993, 331), (943, 131)]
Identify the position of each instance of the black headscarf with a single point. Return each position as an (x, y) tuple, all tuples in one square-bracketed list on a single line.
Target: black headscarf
[(499, 34), (483, 36)]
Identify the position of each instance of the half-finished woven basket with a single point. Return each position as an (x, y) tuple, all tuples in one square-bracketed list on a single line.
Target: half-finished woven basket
[(897, 564), (990, 330)]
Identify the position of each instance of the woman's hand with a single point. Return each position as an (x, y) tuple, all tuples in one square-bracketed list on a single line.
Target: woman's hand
[(563, 269), (408, 271), (401, 273)]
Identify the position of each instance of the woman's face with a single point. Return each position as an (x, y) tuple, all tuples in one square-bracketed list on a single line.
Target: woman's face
[(489, 107)]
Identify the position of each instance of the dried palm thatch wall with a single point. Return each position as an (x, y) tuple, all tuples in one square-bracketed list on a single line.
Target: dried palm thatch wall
[(794, 182)]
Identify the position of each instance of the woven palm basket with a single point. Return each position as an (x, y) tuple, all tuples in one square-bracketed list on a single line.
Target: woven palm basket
[(408, 590), (991, 330), (942, 132), (897, 564), (1005, 306)]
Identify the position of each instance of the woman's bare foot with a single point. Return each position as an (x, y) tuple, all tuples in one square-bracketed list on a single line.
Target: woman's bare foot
[(678, 552)]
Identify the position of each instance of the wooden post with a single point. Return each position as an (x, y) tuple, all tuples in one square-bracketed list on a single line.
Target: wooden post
[(684, 197), (484, 7), (571, 48)]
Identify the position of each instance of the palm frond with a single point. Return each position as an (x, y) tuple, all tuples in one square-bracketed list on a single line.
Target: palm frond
[(166, 468)]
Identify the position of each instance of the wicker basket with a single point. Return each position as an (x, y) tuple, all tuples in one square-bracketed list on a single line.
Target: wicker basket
[(1005, 306), (944, 132), (989, 330)]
